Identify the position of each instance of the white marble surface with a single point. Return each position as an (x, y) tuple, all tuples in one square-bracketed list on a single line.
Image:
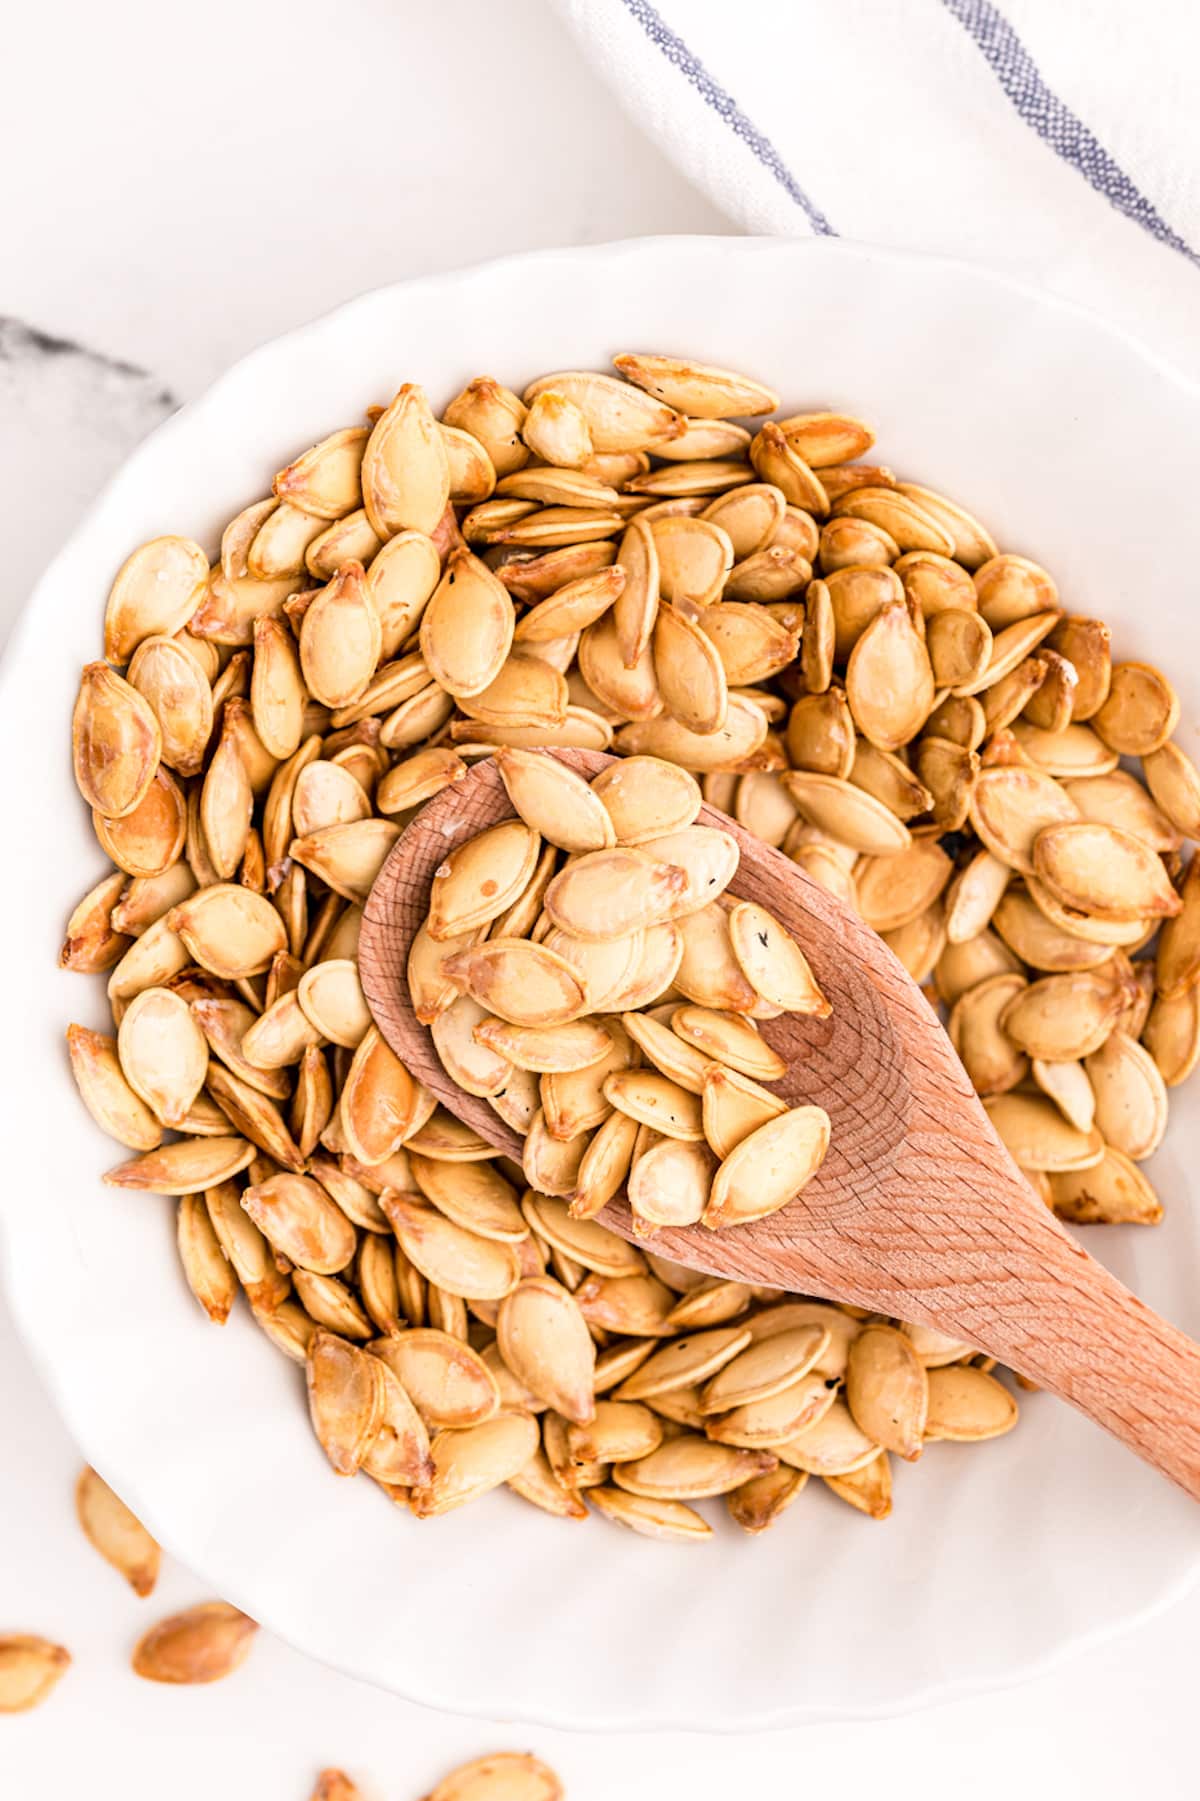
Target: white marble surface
[(188, 183)]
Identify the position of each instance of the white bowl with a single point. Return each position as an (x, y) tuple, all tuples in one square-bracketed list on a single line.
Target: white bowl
[(1077, 448)]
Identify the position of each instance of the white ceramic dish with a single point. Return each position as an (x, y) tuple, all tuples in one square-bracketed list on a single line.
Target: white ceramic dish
[(1077, 448)]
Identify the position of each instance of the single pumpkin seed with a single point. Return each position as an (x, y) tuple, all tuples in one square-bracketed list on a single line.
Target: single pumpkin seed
[(1064, 1017), (1068, 1087), (1038, 1136), (379, 1102), (1174, 781), (1172, 1035), (889, 780), (574, 606), (348, 856), (635, 1306), (847, 813), (469, 1462), (116, 741), (229, 930), (116, 1533), (298, 1218), (340, 639), (773, 962), (471, 1063), (672, 1521), (1103, 871), (769, 1167), (759, 1502), (991, 1059), (554, 801), (1112, 1191), (523, 983), (325, 480), (544, 1340), (1178, 957), (1118, 799), (495, 416), (556, 430), (226, 804), (185, 1166), (730, 1039), (30, 1666), (821, 736), (155, 593), (202, 1644), (94, 940), (669, 1183), (670, 1053), (330, 1304), (163, 1053), (777, 1419), (891, 891), (697, 389), (889, 681), (765, 1368), (779, 461), (833, 1445), (1140, 711), (349, 539), (447, 1381), (467, 627), (656, 1102), (480, 879), (256, 1117), (557, 1049), (1010, 805), (968, 1405), (603, 1166), (179, 694), (733, 1106), (346, 1399), (228, 609), (887, 1390), (330, 997), (114, 1105), (1131, 1096), (709, 973), (690, 1468), (405, 467), (474, 1195), (1011, 588), (456, 1259), (691, 676), (694, 557)]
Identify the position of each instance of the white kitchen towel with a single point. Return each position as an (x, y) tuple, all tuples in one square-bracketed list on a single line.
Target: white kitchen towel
[(1056, 139)]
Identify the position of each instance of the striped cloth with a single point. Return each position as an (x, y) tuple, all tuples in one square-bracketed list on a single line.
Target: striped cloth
[(1056, 139)]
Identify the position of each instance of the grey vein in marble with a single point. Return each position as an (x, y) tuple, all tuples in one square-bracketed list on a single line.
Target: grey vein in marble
[(69, 416)]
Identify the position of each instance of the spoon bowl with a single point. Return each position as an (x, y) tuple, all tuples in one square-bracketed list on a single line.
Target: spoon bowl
[(918, 1210)]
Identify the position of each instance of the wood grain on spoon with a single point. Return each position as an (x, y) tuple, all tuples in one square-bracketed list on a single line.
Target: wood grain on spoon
[(918, 1211)]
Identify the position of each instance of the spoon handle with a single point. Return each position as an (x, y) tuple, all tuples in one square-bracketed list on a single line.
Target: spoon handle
[(1023, 1289), (1127, 1368)]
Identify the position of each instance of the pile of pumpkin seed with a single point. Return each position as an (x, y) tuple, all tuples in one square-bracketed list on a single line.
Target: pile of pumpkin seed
[(544, 992), (849, 666)]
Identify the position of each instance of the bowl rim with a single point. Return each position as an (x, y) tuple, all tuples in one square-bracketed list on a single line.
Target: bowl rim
[(37, 1341)]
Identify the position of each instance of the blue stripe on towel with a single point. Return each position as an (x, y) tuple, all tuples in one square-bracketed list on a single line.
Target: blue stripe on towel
[(1054, 121), (760, 146)]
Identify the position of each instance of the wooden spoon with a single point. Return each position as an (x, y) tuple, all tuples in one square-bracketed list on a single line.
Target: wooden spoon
[(918, 1211)]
